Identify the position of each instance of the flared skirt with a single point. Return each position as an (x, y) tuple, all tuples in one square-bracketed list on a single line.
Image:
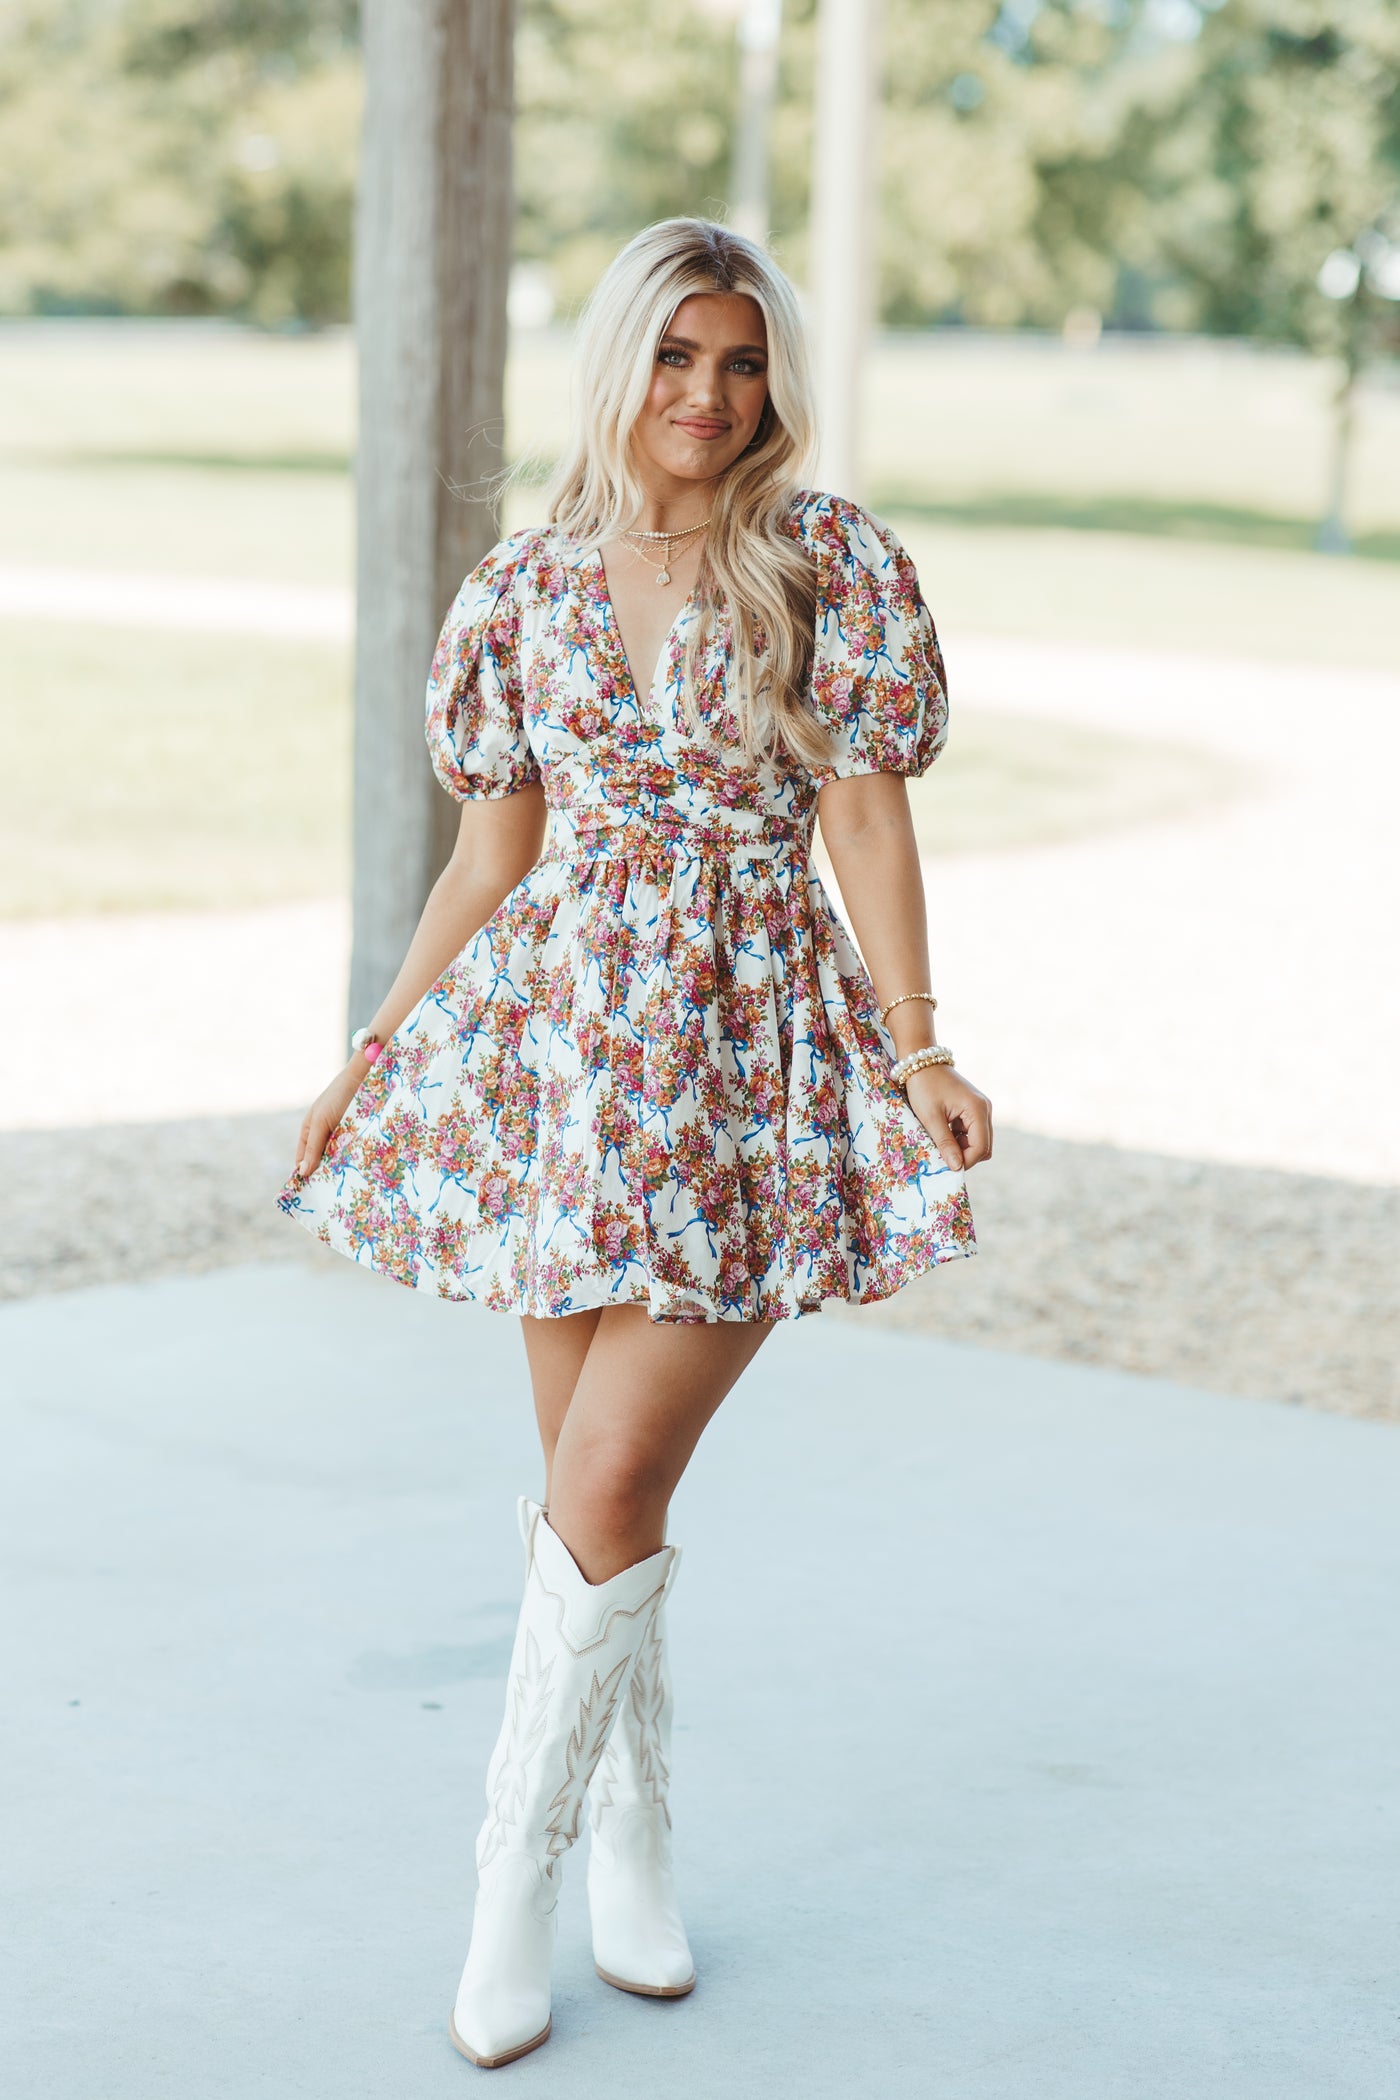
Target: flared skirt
[(658, 1080)]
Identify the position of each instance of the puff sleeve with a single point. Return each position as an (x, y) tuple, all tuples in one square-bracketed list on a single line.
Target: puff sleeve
[(475, 715), (877, 674)]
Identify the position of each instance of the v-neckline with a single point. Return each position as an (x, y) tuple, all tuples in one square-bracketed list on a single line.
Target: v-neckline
[(615, 629)]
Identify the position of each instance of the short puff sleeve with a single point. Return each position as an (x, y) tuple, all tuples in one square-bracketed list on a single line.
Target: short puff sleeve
[(877, 673), (475, 713)]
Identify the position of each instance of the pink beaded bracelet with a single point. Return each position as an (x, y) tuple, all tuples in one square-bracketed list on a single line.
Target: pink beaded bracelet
[(367, 1043)]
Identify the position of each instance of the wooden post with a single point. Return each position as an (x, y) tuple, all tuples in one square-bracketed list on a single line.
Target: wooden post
[(432, 263), (841, 259)]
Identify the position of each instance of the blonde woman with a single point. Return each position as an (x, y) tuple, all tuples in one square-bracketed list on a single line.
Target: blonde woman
[(633, 1082)]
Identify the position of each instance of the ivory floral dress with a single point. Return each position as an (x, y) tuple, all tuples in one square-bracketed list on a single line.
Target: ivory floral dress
[(657, 1075)]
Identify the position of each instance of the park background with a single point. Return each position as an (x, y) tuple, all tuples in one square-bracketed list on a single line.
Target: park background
[(1131, 400), (1036, 1700)]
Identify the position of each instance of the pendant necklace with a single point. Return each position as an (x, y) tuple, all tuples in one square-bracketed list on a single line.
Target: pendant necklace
[(669, 539)]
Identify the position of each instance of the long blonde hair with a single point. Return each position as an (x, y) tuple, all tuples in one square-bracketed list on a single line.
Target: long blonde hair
[(752, 568)]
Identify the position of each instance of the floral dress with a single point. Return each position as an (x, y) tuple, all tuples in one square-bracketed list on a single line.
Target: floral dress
[(657, 1075)]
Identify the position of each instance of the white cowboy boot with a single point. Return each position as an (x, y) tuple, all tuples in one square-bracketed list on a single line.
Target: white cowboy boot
[(639, 1941), (575, 1645)]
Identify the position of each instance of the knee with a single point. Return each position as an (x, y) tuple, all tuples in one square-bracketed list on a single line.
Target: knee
[(615, 1491)]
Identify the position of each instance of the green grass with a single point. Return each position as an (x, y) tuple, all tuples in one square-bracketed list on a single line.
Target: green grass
[(148, 772), (92, 388), (1008, 780), (153, 771), (184, 521), (1227, 426), (287, 461), (1145, 516), (1116, 590), (1147, 495)]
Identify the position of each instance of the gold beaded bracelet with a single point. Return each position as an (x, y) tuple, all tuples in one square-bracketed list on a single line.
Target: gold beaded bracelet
[(890, 1004), (919, 1060)]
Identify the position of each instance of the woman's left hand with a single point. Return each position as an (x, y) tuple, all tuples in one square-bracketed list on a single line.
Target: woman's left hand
[(955, 1115)]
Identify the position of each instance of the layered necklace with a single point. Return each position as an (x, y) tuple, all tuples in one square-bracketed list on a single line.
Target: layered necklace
[(668, 540)]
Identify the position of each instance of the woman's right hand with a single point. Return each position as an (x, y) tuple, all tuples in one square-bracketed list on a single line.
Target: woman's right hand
[(324, 1115)]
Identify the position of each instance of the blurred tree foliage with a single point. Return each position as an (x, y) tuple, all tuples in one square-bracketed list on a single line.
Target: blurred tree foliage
[(624, 116), (168, 156), (1284, 152), (1182, 163), (1004, 141)]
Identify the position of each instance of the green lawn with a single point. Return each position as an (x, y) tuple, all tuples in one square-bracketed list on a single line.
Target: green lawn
[(179, 520), (154, 771), (147, 772), (162, 389), (1146, 495), (1114, 590), (1010, 780)]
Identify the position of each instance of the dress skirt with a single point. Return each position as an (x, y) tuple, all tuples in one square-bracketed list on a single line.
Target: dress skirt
[(656, 1077)]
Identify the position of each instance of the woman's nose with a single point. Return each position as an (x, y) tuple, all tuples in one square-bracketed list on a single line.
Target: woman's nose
[(707, 386)]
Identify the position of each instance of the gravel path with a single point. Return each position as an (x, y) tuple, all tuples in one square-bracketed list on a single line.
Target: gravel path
[(1233, 1279), (1214, 987)]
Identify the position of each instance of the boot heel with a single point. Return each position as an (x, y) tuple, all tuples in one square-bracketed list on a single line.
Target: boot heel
[(647, 1990)]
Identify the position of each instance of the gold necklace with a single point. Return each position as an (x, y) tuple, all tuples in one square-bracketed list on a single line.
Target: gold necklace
[(663, 574)]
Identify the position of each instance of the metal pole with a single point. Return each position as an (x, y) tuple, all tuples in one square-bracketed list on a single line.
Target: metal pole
[(432, 262), (841, 264)]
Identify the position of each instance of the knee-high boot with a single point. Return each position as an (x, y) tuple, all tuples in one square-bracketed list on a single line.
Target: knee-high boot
[(639, 1941), (575, 1647)]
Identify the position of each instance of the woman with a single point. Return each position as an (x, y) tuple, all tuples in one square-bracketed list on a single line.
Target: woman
[(639, 1089)]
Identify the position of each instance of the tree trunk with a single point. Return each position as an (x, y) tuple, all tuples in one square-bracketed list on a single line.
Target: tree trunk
[(841, 258), (1333, 536), (432, 262)]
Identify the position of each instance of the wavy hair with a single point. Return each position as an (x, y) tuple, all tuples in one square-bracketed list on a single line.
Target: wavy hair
[(752, 567)]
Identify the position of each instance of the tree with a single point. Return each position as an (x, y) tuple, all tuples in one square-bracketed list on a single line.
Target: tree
[(625, 116), (162, 156), (1276, 186), (1005, 198)]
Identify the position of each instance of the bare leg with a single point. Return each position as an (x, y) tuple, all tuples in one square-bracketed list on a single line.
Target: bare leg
[(643, 1396), (556, 1350)]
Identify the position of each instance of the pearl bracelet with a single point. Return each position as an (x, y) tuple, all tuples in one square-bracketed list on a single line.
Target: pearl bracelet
[(367, 1043), (920, 1060), (890, 1004)]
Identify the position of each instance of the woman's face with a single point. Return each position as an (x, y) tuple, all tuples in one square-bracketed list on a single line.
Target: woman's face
[(708, 387)]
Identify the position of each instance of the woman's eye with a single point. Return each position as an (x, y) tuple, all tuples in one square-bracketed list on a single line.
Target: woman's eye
[(747, 365), (669, 357)]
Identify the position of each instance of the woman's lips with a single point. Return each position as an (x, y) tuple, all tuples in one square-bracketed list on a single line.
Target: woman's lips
[(698, 427)]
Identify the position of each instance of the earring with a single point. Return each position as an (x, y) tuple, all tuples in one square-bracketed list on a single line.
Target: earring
[(760, 436)]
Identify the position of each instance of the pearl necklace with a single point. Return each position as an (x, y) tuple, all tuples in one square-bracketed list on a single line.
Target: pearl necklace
[(663, 574)]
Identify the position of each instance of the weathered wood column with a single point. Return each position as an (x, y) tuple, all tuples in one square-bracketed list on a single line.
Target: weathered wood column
[(432, 262)]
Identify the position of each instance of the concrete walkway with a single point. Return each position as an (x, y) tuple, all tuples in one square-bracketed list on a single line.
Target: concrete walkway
[(1109, 1664)]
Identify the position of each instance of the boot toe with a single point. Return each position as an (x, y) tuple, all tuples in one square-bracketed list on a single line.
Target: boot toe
[(496, 2032), (662, 1968)]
